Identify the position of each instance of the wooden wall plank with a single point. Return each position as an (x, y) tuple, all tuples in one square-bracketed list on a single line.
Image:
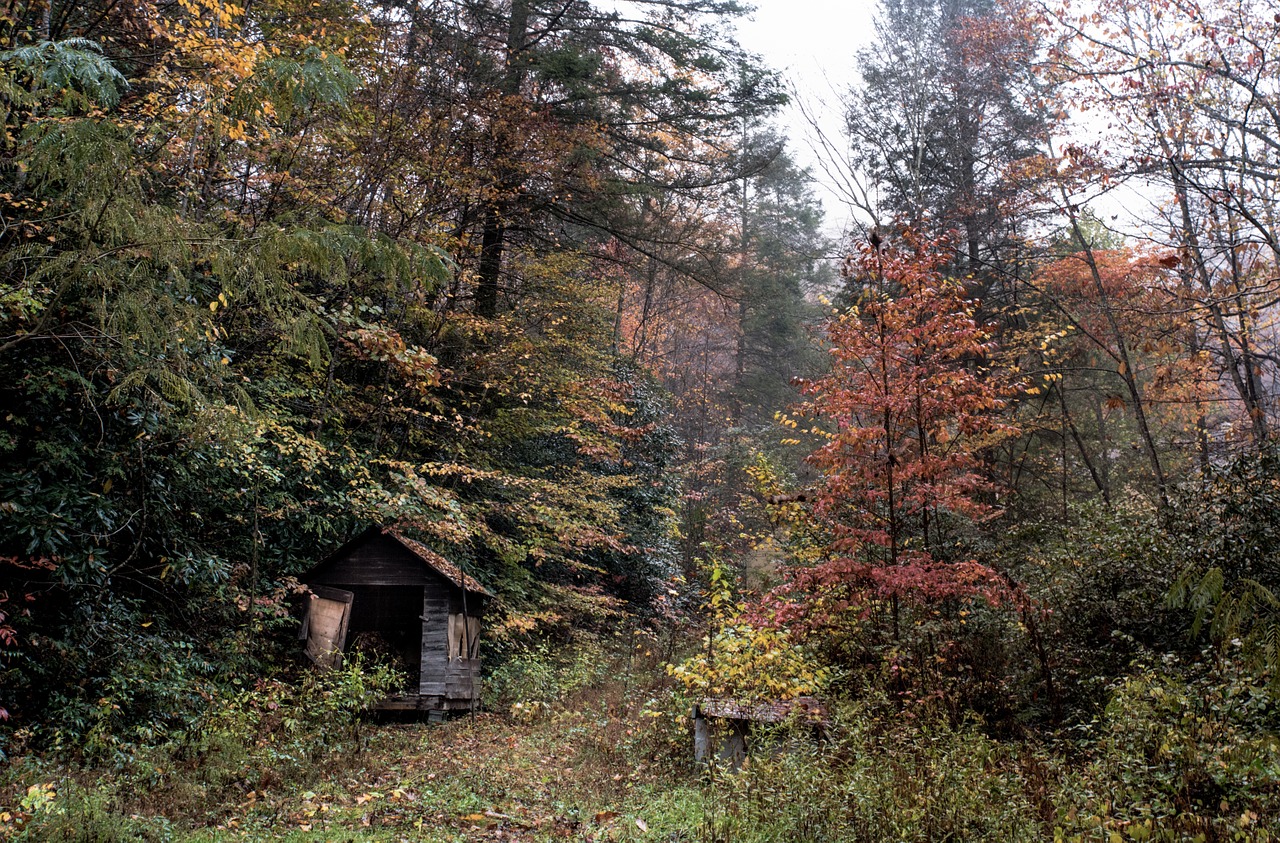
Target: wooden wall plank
[(435, 639), (379, 561)]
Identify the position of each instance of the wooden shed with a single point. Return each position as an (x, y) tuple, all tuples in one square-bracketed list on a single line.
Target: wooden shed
[(382, 592)]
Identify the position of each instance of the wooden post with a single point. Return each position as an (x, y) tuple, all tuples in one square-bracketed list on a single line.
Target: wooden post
[(701, 737)]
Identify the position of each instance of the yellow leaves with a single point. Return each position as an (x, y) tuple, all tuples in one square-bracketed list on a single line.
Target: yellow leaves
[(39, 797), (748, 662), (215, 12)]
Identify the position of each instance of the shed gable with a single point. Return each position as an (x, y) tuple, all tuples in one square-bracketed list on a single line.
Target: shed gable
[(374, 558), (381, 556)]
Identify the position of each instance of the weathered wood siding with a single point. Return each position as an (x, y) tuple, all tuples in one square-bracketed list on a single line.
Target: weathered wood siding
[(450, 679), (435, 641), (379, 561)]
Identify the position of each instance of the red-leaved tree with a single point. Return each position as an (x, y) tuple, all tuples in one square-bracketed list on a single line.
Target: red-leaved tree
[(907, 408)]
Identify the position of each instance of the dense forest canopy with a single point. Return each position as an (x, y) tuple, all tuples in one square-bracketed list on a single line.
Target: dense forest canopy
[(541, 284)]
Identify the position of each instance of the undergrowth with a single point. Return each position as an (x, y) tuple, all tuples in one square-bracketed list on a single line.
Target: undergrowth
[(1182, 752)]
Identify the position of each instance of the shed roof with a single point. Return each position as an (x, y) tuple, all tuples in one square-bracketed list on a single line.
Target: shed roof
[(418, 550)]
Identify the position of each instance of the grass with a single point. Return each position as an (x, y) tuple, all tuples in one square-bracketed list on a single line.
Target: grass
[(473, 779)]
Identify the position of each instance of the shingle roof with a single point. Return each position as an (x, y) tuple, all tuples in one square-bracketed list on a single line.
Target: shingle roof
[(437, 563)]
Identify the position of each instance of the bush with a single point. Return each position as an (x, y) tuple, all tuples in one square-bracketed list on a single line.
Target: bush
[(1229, 533), (1099, 584), (750, 662), (1182, 752), (66, 811), (279, 731), (534, 676), (879, 776), (271, 735)]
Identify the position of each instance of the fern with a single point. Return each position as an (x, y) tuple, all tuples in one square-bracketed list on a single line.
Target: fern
[(299, 85), (1246, 614), (74, 65), (1230, 547)]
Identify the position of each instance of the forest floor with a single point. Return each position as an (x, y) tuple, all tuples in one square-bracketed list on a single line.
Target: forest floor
[(609, 759), (594, 767), (480, 777)]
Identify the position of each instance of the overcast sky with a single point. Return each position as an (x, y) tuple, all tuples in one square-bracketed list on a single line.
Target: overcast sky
[(813, 42)]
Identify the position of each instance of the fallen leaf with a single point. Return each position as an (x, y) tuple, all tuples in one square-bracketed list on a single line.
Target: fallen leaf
[(642, 825)]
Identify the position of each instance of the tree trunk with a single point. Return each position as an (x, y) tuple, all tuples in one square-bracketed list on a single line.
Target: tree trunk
[(493, 235), (497, 210)]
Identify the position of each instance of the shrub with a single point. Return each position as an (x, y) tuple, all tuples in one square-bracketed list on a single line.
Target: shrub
[(533, 676), (267, 736), (1182, 752), (750, 662), (1100, 584), (282, 729), (879, 776), (1229, 533), (54, 812)]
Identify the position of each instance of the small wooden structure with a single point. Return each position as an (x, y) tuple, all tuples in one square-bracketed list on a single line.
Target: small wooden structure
[(389, 594), (722, 727)]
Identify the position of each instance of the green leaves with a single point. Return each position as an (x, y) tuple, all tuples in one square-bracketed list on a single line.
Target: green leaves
[(1230, 544), (297, 85), (73, 72)]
